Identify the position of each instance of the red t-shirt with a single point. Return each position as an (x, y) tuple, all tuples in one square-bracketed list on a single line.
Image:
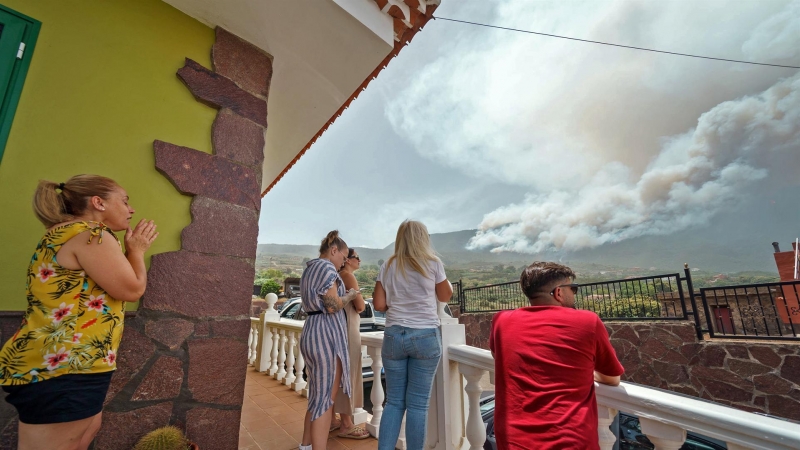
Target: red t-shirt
[(545, 357)]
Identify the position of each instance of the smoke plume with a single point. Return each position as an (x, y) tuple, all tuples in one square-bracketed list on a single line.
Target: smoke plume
[(611, 144), (696, 175)]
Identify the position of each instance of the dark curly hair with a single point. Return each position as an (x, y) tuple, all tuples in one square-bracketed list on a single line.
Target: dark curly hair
[(537, 278)]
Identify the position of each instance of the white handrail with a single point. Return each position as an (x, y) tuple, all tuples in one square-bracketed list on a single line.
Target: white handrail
[(664, 416), (472, 356), (711, 419)]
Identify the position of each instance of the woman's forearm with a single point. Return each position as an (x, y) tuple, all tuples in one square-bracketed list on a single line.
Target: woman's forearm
[(136, 260), (332, 302)]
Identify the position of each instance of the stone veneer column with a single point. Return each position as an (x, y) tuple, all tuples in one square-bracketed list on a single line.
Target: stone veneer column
[(183, 357)]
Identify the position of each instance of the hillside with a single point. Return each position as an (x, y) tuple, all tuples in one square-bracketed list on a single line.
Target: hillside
[(662, 253)]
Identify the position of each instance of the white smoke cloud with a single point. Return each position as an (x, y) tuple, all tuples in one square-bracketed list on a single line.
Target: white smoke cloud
[(582, 127), (777, 38), (697, 175)]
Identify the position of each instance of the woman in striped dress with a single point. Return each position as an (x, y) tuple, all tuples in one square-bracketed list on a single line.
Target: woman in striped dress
[(323, 341)]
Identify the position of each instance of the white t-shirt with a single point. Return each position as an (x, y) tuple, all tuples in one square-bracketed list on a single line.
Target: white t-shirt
[(412, 297)]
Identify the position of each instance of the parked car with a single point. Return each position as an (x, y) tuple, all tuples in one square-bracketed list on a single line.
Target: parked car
[(293, 310), (629, 434), (380, 316), (631, 437), (285, 303)]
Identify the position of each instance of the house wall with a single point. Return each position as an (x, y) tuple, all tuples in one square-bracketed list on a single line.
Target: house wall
[(100, 89), (755, 376)]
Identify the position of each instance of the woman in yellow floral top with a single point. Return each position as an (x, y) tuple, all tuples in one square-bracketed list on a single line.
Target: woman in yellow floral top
[(57, 367)]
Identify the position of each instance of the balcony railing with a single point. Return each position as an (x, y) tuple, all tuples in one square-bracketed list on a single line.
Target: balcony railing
[(454, 419), (753, 311)]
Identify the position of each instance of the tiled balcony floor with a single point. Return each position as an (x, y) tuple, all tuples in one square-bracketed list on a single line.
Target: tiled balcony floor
[(272, 418)]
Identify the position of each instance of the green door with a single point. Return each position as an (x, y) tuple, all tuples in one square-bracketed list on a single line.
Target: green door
[(18, 34)]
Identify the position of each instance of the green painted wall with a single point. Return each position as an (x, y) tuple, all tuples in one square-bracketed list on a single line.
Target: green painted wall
[(101, 88)]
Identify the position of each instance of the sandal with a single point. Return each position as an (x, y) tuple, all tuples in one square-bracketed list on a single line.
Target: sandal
[(335, 425), (355, 433)]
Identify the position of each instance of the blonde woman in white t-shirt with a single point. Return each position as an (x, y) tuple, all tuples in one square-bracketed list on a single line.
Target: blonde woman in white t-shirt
[(408, 288)]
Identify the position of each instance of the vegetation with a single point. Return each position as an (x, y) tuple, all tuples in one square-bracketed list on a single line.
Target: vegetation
[(270, 287), (474, 273), (165, 438)]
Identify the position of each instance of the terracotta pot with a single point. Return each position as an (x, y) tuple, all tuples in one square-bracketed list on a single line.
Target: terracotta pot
[(193, 446)]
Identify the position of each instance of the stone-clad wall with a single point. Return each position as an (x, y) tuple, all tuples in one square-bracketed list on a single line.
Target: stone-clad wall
[(754, 376), (182, 359)]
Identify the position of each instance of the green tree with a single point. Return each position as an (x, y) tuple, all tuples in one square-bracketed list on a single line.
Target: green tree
[(270, 287), (380, 262)]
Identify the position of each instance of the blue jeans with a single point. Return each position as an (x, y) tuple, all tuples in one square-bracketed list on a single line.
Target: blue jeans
[(410, 359)]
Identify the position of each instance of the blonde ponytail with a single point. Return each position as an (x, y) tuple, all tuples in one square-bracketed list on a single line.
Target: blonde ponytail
[(54, 203)]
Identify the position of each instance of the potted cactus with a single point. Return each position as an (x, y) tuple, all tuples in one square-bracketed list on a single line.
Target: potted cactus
[(165, 438)]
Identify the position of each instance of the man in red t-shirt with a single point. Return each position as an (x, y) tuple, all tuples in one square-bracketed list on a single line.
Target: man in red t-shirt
[(547, 358)]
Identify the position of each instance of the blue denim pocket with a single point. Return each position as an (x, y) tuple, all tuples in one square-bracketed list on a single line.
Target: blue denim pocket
[(427, 346), (387, 349)]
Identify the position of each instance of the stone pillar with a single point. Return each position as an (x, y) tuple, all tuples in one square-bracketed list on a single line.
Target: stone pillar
[(183, 359)]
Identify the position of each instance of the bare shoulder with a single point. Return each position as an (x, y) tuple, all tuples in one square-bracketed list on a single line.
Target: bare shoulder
[(349, 280)]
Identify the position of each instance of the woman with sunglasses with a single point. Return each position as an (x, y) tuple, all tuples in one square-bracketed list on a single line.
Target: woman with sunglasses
[(346, 406)]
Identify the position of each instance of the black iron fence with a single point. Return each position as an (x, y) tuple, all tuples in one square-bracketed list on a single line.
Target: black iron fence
[(642, 298), (766, 310), (494, 297), (456, 299), (752, 311)]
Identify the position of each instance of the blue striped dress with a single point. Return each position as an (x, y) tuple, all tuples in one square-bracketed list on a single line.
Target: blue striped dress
[(324, 336)]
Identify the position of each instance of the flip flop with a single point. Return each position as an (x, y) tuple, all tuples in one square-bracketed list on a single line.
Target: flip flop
[(355, 433), (335, 425)]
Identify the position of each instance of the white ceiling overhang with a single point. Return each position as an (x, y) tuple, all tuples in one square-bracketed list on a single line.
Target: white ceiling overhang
[(323, 51)]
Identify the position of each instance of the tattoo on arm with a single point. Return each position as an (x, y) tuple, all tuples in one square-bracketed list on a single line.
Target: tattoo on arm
[(332, 303)]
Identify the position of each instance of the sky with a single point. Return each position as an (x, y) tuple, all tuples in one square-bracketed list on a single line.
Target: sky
[(548, 144)]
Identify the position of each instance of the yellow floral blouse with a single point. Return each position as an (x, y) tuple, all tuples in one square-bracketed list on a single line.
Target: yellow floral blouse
[(71, 325)]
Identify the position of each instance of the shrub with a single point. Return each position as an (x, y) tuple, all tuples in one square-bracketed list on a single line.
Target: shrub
[(270, 287)]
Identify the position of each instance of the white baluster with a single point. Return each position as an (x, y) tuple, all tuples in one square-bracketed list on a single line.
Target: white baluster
[(281, 357), (250, 350), (662, 435), (377, 391), (273, 368), (300, 364), (476, 432), (360, 415), (263, 344), (290, 359), (605, 417)]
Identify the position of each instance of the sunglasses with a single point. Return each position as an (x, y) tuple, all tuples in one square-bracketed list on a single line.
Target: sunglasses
[(355, 257), (573, 286)]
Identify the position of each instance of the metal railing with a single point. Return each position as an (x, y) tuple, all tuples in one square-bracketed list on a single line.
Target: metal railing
[(753, 311), (458, 296), (494, 297), (658, 297), (654, 297)]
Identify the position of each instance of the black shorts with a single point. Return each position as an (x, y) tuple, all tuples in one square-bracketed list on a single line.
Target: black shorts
[(65, 398)]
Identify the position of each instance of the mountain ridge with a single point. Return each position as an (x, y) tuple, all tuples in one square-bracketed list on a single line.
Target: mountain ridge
[(667, 253)]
